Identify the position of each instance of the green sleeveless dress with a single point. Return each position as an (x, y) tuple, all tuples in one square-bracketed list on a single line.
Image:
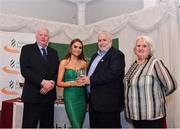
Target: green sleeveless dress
[(74, 100)]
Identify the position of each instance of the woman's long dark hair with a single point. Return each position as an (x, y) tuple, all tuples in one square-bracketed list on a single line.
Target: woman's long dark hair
[(68, 55)]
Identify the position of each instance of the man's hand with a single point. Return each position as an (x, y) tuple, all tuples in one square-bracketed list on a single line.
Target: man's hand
[(47, 85), (84, 79), (43, 91)]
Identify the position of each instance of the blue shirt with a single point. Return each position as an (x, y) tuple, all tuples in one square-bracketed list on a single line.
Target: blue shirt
[(100, 55)]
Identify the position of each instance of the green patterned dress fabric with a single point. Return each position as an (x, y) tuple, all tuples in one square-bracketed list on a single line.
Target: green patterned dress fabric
[(74, 100)]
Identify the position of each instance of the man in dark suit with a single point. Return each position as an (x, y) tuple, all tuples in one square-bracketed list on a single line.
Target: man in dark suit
[(105, 84), (39, 67)]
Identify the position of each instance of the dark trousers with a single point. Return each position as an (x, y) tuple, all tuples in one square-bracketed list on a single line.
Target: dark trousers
[(103, 119), (38, 113), (148, 123)]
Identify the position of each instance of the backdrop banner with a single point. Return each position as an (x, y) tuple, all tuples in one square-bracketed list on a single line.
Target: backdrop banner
[(11, 81), (89, 49)]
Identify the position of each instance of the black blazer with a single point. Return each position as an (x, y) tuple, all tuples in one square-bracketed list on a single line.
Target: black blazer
[(34, 69), (107, 90)]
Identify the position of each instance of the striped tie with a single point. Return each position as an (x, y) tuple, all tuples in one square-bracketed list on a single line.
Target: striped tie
[(44, 54)]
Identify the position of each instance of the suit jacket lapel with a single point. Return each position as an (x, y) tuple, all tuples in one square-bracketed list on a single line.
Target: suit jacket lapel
[(48, 54), (105, 57)]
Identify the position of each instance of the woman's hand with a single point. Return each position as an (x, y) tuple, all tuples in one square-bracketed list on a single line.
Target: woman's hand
[(79, 81), (84, 79)]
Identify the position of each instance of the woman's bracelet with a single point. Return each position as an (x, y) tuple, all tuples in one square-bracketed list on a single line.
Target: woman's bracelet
[(71, 83)]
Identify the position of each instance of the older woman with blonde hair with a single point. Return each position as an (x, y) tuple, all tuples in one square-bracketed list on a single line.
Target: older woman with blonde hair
[(147, 82)]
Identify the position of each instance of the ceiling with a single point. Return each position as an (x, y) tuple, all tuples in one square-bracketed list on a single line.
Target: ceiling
[(66, 11)]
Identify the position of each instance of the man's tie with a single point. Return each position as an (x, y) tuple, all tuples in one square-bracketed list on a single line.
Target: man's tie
[(44, 54)]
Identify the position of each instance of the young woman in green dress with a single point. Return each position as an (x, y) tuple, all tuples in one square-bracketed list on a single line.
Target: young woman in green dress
[(74, 91)]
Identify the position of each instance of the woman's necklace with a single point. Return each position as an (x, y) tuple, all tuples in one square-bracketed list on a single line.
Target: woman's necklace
[(141, 61)]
